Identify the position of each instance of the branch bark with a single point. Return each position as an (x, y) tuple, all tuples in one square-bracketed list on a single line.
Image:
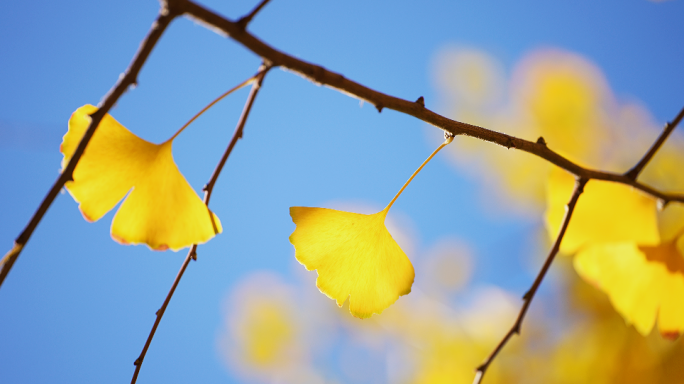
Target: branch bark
[(208, 189), (166, 14)]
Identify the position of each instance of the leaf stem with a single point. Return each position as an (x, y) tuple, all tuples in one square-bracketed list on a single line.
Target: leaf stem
[(448, 140), (216, 100)]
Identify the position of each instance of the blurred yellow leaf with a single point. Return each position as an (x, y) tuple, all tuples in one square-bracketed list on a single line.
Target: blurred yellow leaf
[(471, 76), (267, 332), (450, 360), (161, 210), (355, 256), (642, 282), (671, 225), (606, 212), (565, 97)]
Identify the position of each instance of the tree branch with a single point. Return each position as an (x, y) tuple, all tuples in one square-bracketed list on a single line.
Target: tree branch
[(166, 14), (529, 295), (320, 75), (669, 127), (208, 189)]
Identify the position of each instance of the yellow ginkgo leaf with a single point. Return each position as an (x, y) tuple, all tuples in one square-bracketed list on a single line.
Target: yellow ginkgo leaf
[(642, 282), (606, 212), (355, 257), (354, 254), (161, 210)]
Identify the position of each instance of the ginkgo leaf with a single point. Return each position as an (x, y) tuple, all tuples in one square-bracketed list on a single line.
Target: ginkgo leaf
[(161, 210), (644, 283), (606, 212), (354, 254)]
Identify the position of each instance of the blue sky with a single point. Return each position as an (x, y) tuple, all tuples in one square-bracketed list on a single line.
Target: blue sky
[(78, 306)]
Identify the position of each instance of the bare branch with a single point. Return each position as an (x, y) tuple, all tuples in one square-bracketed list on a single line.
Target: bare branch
[(669, 127), (320, 75), (529, 295), (208, 189), (128, 78)]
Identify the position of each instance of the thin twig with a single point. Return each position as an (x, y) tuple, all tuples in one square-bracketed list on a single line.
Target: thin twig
[(208, 189), (248, 18), (320, 75), (529, 295), (669, 127), (128, 78)]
